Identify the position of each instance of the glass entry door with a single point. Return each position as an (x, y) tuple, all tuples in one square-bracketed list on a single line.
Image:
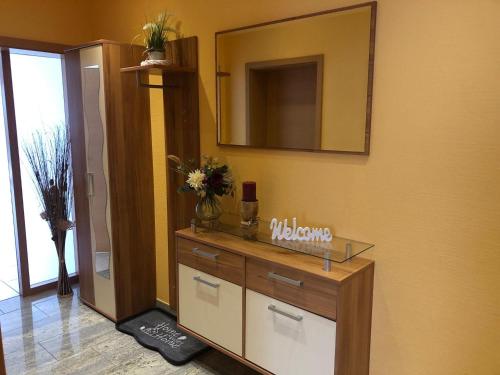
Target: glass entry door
[(33, 93), (37, 81)]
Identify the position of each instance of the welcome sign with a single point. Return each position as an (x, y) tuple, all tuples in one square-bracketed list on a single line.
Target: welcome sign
[(282, 231)]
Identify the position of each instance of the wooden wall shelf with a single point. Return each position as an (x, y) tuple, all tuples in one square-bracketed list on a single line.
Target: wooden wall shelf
[(186, 64), (160, 67)]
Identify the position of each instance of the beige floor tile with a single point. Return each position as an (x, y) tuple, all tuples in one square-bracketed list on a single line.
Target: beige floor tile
[(49, 335)]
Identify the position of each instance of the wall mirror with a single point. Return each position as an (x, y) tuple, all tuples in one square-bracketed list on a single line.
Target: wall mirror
[(303, 83), (96, 158)]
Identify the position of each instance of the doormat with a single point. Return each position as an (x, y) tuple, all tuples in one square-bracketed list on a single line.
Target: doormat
[(157, 330)]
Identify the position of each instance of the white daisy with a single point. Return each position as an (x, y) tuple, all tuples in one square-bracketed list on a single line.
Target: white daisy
[(195, 179)]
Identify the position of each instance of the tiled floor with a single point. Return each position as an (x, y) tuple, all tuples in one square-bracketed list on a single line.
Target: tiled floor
[(9, 286), (6, 291), (48, 335)]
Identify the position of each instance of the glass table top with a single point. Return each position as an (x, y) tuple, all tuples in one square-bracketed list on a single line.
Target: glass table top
[(338, 250)]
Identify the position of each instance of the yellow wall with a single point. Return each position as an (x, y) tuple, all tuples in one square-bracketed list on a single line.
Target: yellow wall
[(57, 21), (160, 189), (428, 193), (343, 39)]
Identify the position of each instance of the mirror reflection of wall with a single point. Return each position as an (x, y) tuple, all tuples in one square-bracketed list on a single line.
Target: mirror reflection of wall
[(96, 176), (298, 84)]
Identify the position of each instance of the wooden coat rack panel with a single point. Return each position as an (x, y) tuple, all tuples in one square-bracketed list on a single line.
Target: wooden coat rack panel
[(182, 135)]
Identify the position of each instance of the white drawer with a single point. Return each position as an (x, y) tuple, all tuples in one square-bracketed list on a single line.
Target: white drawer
[(211, 307), (287, 340)]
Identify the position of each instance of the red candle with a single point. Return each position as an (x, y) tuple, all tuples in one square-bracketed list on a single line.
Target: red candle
[(249, 191)]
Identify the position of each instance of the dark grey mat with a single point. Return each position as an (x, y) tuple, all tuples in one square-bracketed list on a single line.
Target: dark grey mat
[(157, 330)]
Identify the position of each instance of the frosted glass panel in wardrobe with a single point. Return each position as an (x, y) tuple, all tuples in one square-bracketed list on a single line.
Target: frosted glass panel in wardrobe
[(94, 113)]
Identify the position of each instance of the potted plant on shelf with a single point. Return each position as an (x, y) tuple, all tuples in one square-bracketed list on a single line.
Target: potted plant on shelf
[(211, 181), (49, 157), (156, 35)]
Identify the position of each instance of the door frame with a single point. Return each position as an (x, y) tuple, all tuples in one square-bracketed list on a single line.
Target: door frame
[(7, 93)]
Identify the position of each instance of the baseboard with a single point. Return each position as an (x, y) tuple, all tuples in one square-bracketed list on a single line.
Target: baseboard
[(165, 307)]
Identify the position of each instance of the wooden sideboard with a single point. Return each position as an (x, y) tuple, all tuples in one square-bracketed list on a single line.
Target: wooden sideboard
[(273, 309)]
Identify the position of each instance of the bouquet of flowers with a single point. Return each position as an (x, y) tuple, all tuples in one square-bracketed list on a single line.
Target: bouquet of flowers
[(210, 181)]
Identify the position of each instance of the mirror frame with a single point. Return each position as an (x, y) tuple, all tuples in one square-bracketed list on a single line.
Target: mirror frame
[(369, 94)]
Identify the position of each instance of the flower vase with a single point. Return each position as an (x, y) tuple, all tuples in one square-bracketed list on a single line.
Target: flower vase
[(208, 210), (63, 285)]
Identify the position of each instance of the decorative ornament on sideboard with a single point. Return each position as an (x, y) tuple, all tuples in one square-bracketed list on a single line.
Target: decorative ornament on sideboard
[(156, 34), (282, 231), (211, 181), (249, 210)]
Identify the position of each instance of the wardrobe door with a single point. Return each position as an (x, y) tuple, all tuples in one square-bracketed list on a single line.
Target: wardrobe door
[(97, 175)]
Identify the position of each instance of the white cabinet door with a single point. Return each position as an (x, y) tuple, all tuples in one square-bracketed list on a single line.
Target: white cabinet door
[(211, 307), (287, 340)]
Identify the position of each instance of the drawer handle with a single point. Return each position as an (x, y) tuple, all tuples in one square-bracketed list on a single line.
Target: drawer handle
[(275, 276), (273, 308), (205, 254), (200, 280)]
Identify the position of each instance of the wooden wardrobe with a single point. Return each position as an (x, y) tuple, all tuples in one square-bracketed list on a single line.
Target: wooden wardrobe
[(109, 120)]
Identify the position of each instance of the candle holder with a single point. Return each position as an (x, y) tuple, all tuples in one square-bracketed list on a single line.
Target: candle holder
[(249, 219)]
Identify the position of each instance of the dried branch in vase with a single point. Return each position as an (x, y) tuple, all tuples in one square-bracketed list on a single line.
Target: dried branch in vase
[(49, 157)]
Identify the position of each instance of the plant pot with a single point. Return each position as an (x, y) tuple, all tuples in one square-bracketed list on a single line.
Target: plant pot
[(156, 55)]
